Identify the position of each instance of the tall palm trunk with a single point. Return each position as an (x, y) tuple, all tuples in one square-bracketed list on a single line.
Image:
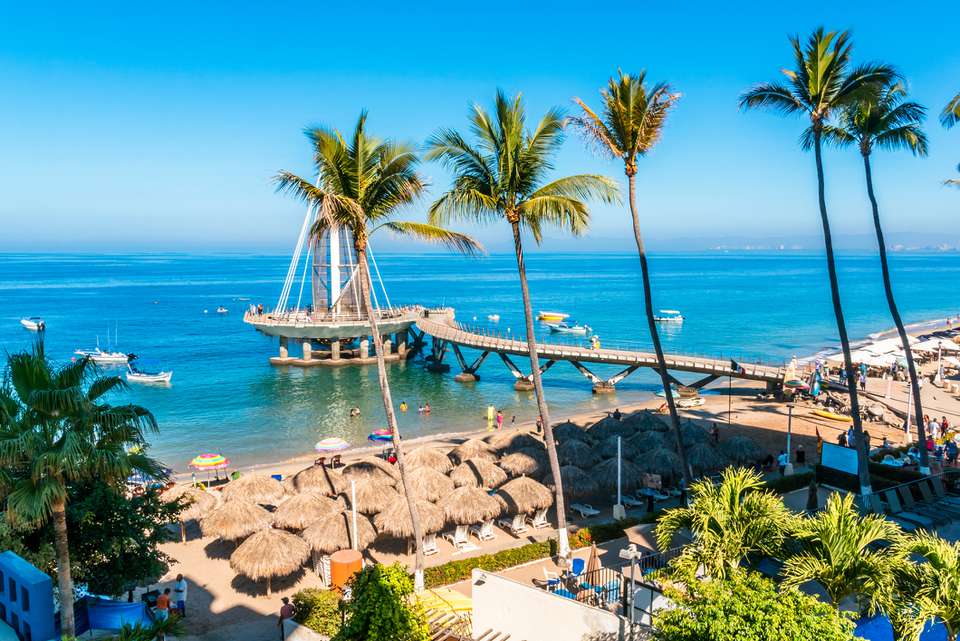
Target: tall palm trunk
[(564, 545), (863, 463), (654, 334), (391, 417), (64, 579), (895, 313)]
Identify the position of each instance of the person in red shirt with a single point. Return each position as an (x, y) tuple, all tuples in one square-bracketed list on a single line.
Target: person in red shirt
[(286, 612), (163, 605)]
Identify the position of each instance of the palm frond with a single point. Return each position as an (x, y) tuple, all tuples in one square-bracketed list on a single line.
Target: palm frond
[(951, 113), (435, 234), (771, 96)]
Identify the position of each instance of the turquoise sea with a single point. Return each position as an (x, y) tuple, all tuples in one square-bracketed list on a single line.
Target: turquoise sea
[(226, 397)]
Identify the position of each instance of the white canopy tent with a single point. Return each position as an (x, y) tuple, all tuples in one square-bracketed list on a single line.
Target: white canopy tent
[(933, 344)]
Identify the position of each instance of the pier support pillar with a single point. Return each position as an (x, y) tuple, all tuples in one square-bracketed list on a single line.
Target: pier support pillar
[(387, 345), (523, 385), (283, 347), (364, 347), (401, 340), (604, 387), (307, 349), (335, 350), (466, 377)]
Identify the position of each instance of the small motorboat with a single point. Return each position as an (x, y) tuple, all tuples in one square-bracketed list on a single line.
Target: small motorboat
[(101, 357), (669, 316), (552, 317), (147, 373), (493, 318), (569, 327), (690, 401), (222, 310), (33, 323)]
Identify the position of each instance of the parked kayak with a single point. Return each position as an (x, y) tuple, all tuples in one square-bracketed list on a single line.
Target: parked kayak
[(833, 417)]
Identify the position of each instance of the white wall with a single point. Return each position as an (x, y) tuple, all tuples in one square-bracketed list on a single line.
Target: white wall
[(528, 613)]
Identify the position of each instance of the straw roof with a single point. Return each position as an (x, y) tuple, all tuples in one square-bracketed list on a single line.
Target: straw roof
[(395, 520), (431, 457), (523, 464), (270, 553), (574, 452), (370, 468), (648, 441), (318, 479), (429, 484), (741, 450), (478, 472), (256, 488), (645, 421), (576, 482), (523, 495), (691, 434), (467, 505), (472, 448), (703, 457), (199, 501), (301, 510), (662, 461), (605, 473), (332, 533), (608, 448), (567, 430), (512, 441), (235, 520), (372, 496)]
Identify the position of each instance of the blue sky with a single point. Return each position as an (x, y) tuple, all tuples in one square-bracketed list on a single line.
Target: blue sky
[(159, 126)]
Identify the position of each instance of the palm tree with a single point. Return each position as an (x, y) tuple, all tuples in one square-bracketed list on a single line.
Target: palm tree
[(839, 551), (729, 521), (362, 184), (951, 113), (932, 586), (821, 83), (629, 125), (502, 177), (883, 120), (55, 429)]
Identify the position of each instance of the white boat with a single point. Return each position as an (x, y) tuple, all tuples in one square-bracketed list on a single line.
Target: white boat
[(693, 401), (222, 310), (101, 357), (33, 323), (553, 317), (494, 318), (669, 316), (147, 375), (571, 327)]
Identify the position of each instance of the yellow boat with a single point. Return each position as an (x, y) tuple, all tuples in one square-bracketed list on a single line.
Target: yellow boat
[(833, 417), (553, 317)]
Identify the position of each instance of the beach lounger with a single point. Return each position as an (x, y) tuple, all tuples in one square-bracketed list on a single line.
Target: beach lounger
[(935, 502), (336, 461), (459, 537), (937, 483), (551, 579), (910, 505), (430, 544), (539, 520), (484, 531), (577, 566), (585, 510), (907, 520), (517, 525), (631, 501)]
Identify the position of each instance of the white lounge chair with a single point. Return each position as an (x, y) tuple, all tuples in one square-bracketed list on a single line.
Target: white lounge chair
[(460, 537), (585, 510), (484, 531), (631, 501), (430, 544), (517, 525), (539, 520)]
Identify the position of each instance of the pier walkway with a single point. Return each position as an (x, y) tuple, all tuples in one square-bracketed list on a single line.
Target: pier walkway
[(449, 334)]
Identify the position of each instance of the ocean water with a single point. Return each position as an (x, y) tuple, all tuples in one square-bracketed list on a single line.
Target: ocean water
[(226, 397)]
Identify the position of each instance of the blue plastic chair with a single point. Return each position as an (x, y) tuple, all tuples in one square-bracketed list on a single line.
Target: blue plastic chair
[(577, 567)]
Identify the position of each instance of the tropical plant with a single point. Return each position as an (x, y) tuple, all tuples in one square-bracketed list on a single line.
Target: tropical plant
[(362, 183), (628, 126), (381, 609), (951, 112), (745, 606), (159, 629), (820, 83), (883, 119), (932, 586), (319, 610), (729, 521), (56, 428), (502, 177), (838, 549)]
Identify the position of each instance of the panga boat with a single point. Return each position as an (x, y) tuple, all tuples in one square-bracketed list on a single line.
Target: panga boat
[(691, 401), (832, 416), (101, 357), (145, 373), (34, 323), (553, 317), (669, 316), (494, 318), (222, 310), (571, 327)]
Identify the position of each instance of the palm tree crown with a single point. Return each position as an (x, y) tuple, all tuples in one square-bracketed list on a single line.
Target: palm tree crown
[(951, 113), (933, 584), (880, 119)]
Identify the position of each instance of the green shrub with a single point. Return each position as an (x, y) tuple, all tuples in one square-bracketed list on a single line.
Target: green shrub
[(380, 608), (459, 570), (319, 610)]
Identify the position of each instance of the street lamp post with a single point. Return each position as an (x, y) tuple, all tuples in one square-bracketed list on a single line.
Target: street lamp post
[(788, 469)]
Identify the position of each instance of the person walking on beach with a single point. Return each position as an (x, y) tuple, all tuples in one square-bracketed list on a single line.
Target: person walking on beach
[(539, 424), (491, 413), (499, 420), (842, 439), (782, 461), (286, 612), (863, 381), (180, 591)]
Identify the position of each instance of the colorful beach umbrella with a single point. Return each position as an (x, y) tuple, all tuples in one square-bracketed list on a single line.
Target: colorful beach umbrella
[(380, 435), (210, 461), (332, 444)]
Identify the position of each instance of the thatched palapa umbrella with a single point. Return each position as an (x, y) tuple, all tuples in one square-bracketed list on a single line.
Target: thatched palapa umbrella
[(395, 520), (318, 478), (370, 468), (567, 430), (703, 458), (432, 457), (741, 450), (429, 484), (576, 482), (523, 464), (691, 434), (269, 553), (648, 442), (372, 497), (605, 473), (512, 441), (478, 472), (468, 505), (524, 495), (199, 503), (575, 452), (608, 447), (256, 488), (663, 461), (333, 532), (646, 421), (301, 510), (235, 519), (473, 448)]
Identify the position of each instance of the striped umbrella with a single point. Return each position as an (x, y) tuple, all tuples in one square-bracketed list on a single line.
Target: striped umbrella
[(210, 461), (332, 444)]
